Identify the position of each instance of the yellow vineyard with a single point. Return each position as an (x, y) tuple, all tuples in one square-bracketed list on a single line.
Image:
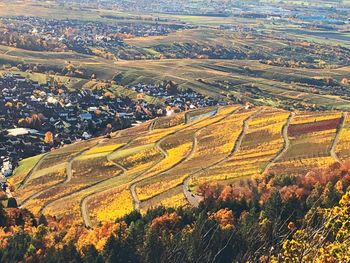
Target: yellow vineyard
[(163, 161)]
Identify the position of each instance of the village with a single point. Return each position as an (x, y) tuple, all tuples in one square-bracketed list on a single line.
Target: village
[(35, 118), (40, 34)]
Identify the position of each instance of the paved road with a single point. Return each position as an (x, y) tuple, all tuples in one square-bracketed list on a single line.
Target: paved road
[(152, 125)]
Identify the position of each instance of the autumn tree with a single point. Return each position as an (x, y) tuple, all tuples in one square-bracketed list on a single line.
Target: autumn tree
[(48, 137)]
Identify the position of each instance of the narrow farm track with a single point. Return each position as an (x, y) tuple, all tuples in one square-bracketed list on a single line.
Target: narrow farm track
[(69, 174), (136, 200), (83, 203), (336, 139), (152, 125), (193, 199), (84, 212), (42, 210), (32, 171), (187, 157), (285, 146)]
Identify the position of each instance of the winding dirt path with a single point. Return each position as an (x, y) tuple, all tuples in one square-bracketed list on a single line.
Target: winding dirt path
[(136, 200), (84, 213), (32, 171), (83, 203), (285, 146), (193, 199), (188, 155), (86, 199), (152, 125), (69, 174), (336, 139)]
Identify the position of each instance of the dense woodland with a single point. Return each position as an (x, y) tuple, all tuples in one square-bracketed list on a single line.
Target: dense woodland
[(271, 218)]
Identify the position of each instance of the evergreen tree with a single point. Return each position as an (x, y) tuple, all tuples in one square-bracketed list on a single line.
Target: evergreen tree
[(152, 248), (3, 217), (330, 196), (91, 255), (69, 254), (42, 220), (12, 203), (273, 206), (17, 247)]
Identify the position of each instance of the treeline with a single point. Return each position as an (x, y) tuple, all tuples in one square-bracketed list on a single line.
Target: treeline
[(272, 218)]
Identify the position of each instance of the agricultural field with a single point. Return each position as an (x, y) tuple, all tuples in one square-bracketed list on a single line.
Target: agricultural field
[(163, 163), (311, 142), (241, 80), (343, 145), (261, 142)]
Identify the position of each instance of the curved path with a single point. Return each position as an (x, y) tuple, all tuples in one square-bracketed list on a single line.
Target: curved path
[(136, 200), (32, 171), (193, 199), (336, 138), (69, 174), (286, 143), (152, 125), (188, 155), (85, 215), (86, 199)]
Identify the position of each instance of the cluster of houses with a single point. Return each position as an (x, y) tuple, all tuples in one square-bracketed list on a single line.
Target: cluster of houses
[(28, 111), (175, 98), (81, 35)]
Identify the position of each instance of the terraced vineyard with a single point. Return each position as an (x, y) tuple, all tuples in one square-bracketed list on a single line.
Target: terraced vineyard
[(164, 161)]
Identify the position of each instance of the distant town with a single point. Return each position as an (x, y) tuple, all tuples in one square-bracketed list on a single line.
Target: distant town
[(90, 38)]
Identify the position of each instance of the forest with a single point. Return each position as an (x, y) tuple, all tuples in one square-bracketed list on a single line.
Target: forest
[(275, 218)]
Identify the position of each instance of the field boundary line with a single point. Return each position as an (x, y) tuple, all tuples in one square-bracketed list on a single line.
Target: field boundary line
[(337, 137), (286, 144), (190, 153), (33, 170), (84, 201), (193, 199), (68, 173)]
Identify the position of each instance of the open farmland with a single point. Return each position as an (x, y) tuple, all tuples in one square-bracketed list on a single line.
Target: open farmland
[(243, 79), (163, 161), (312, 140)]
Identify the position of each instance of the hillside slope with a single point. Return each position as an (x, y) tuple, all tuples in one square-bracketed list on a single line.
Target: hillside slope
[(164, 160)]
